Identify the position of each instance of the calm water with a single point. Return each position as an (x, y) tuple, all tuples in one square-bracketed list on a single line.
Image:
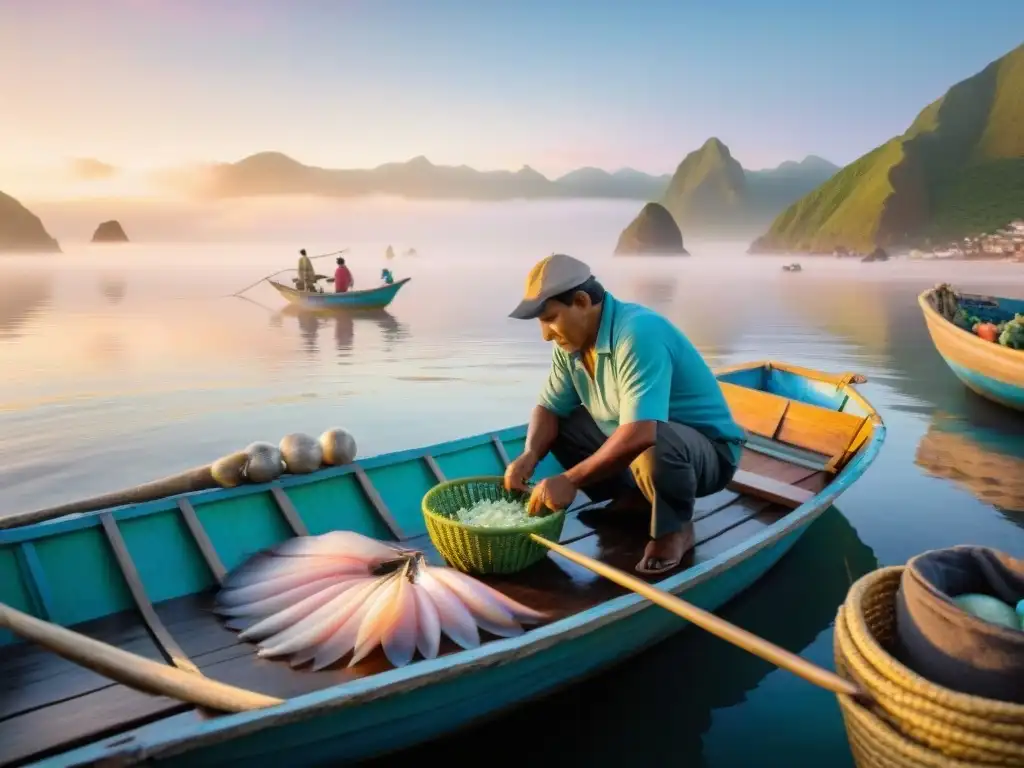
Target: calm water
[(121, 364)]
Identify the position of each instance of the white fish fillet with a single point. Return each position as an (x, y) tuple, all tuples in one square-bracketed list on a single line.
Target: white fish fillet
[(344, 637), (375, 619), (456, 620), (428, 635), (265, 567), (264, 589), (315, 598), (278, 602), (281, 620), (345, 543), (318, 625), (399, 634), (480, 603)]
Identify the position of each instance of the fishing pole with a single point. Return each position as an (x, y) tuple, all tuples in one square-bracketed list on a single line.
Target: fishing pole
[(282, 271)]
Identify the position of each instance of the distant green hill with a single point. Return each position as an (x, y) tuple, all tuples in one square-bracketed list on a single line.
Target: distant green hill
[(711, 194), (958, 170)]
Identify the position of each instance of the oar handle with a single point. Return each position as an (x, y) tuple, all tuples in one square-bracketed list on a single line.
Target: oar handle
[(717, 626)]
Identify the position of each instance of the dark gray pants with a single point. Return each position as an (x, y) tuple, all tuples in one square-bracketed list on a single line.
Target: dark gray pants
[(682, 466)]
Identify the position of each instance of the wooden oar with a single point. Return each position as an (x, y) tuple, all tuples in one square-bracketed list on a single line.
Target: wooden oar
[(132, 670), (717, 626)]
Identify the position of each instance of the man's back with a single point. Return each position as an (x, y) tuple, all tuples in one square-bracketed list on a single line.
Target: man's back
[(342, 279)]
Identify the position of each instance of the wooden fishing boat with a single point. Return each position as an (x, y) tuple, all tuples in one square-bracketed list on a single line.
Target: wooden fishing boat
[(371, 298), (142, 578), (993, 371)]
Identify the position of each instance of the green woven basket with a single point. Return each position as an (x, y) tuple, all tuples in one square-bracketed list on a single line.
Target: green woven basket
[(479, 550)]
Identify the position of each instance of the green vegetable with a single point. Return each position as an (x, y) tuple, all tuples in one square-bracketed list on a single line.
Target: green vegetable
[(1012, 335)]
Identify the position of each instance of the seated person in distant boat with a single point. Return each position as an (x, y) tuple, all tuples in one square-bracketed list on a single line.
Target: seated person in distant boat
[(307, 279), (342, 277), (387, 277), (630, 408)]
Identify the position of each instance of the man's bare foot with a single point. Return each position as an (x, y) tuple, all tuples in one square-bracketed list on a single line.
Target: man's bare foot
[(665, 553)]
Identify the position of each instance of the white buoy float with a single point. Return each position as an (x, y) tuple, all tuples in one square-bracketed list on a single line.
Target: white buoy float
[(301, 453), (338, 446)]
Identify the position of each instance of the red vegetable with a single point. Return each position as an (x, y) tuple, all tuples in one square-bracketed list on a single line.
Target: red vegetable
[(987, 331)]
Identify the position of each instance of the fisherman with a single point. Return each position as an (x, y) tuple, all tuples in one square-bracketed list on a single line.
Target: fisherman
[(629, 408), (387, 277), (343, 279), (306, 281)]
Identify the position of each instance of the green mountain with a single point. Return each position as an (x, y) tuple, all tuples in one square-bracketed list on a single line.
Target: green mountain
[(712, 194), (958, 170), (273, 173), (708, 190)]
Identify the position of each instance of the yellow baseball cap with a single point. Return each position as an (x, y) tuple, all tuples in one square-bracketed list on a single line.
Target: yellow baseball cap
[(551, 276)]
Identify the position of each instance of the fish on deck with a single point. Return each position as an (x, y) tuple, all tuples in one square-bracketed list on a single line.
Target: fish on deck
[(145, 578)]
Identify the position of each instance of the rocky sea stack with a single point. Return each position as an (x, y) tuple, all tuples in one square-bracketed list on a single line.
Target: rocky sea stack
[(653, 231), (110, 232), (21, 230)]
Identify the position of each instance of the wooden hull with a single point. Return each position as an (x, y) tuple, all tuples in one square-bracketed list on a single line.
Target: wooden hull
[(424, 714), (991, 370), (63, 571), (373, 298)]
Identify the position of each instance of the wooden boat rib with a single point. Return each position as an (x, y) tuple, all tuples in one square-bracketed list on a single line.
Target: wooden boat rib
[(371, 298), (141, 578), (991, 370)]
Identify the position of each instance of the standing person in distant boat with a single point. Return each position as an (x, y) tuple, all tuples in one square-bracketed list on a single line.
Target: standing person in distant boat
[(629, 409), (343, 279), (307, 278)]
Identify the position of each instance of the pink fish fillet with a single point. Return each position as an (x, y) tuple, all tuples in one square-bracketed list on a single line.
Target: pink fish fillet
[(483, 607), (281, 620), (264, 589), (398, 638), (375, 620), (279, 602), (266, 567), (428, 637), (456, 620), (344, 637), (519, 611), (342, 543), (318, 625)]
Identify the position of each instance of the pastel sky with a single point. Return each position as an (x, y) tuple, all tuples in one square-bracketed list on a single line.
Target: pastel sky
[(142, 84)]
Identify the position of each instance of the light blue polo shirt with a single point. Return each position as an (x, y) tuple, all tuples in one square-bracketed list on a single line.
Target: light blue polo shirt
[(646, 369)]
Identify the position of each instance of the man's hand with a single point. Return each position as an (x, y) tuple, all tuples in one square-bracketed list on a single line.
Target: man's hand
[(553, 493), (519, 472)]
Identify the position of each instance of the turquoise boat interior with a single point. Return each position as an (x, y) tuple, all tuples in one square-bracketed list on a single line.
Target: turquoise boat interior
[(142, 578)]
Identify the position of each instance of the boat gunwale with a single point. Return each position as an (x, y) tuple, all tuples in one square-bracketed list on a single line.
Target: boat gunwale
[(365, 292), (145, 741), (933, 319)]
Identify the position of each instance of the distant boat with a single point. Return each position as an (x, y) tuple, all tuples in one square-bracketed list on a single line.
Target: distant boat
[(993, 371), (794, 267), (371, 298)]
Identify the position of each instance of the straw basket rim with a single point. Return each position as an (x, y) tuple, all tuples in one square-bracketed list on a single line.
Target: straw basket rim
[(900, 674), (542, 521)]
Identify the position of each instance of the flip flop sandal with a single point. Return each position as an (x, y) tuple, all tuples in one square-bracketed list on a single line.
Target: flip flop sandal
[(671, 564)]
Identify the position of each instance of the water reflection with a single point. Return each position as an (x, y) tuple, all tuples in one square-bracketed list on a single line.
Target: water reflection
[(343, 322), (982, 452), (113, 288), (714, 317), (23, 294), (659, 708)]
